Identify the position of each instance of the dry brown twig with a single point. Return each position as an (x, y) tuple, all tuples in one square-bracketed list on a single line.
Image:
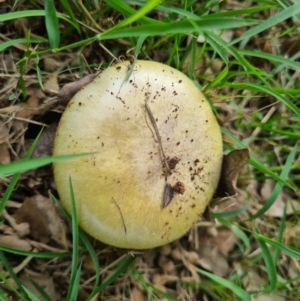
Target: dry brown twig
[(157, 135), (125, 229), (168, 191)]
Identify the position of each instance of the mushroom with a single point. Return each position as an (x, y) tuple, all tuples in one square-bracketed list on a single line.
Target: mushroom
[(157, 155)]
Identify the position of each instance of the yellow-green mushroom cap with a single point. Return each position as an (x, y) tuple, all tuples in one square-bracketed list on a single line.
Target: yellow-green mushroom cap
[(119, 190)]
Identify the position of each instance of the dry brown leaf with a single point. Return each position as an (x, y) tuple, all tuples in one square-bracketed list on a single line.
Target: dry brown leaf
[(21, 230), (31, 214), (4, 131), (52, 64), (220, 237), (21, 26), (55, 223), (277, 208), (69, 90), (231, 167), (45, 143), (9, 286), (290, 45), (159, 281), (44, 281), (167, 265), (293, 268), (31, 106), (51, 85), (137, 294), (165, 250), (235, 202), (4, 154), (15, 242), (88, 263), (217, 65), (213, 260), (253, 282), (7, 63), (226, 35), (4, 137)]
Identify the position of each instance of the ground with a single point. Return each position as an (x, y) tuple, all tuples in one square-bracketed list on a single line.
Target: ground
[(244, 56)]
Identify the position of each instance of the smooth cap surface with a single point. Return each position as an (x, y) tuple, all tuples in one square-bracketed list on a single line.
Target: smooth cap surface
[(119, 190)]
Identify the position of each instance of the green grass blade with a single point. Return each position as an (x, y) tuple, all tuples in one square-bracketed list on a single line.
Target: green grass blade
[(52, 25), (39, 289), (16, 176), (10, 43), (280, 232), (184, 13), (272, 21), (150, 5), (39, 72), (88, 246), (192, 52), (2, 294), (269, 263), (69, 10), (293, 58), (241, 235), (75, 246), (167, 9), (9, 285), (238, 12), (32, 146), (244, 63), (74, 285), (138, 47), (35, 254), (254, 161), (143, 283), (166, 295), (11, 272), (184, 26), (150, 288), (216, 43), (27, 164), (31, 13), (271, 57), (13, 182), (242, 294), (95, 261), (229, 214), (247, 66), (289, 251), (287, 133), (70, 46), (30, 295), (128, 11), (122, 268), (270, 91), (279, 185), (217, 80), (237, 231)]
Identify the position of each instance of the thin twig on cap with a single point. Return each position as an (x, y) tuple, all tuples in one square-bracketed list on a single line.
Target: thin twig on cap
[(157, 135), (125, 229), (168, 192)]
